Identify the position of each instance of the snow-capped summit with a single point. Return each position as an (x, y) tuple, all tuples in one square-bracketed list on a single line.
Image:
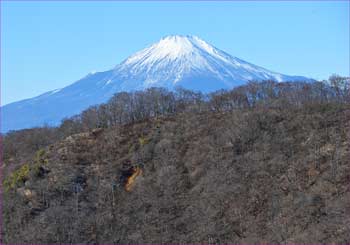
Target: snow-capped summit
[(170, 47), (190, 62), (185, 61), (185, 53)]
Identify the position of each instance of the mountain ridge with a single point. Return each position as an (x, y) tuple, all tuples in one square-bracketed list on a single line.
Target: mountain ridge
[(174, 61)]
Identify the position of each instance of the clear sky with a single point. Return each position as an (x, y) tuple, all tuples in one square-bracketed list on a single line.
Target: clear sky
[(49, 45)]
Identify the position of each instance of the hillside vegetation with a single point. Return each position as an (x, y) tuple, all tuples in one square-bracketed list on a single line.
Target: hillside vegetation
[(263, 163)]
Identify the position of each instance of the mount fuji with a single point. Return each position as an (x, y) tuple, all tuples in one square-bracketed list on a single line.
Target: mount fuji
[(174, 61)]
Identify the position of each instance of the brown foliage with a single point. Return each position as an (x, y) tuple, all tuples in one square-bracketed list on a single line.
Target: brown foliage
[(222, 169)]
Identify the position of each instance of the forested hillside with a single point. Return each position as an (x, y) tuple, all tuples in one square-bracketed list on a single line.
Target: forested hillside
[(263, 163)]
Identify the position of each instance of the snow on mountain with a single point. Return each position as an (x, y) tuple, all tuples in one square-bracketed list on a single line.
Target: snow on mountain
[(185, 61), (189, 61)]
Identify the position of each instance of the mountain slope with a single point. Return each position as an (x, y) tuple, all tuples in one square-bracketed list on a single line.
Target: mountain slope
[(258, 176), (185, 61)]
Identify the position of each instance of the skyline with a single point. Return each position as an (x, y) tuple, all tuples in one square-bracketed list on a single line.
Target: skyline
[(53, 44)]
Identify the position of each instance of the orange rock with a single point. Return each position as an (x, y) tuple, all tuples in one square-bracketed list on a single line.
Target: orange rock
[(131, 180)]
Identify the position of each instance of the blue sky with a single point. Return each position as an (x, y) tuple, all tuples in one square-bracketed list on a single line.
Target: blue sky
[(49, 45)]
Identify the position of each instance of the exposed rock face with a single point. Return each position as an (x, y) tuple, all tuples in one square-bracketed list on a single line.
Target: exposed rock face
[(245, 177), (27, 193)]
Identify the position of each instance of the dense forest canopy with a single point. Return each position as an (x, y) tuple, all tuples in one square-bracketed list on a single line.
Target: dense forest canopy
[(266, 162)]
